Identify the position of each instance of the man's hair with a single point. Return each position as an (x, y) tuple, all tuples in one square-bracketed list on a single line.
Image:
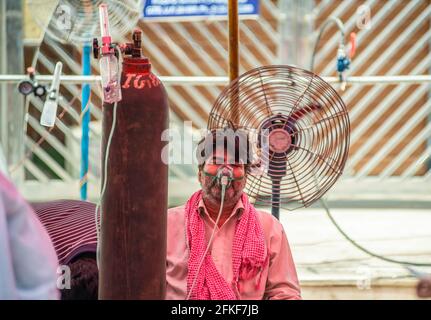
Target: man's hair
[(236, 142), (84, 280)]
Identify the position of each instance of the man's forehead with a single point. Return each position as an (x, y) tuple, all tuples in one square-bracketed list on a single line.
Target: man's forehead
[(219, 152), (221, 155)]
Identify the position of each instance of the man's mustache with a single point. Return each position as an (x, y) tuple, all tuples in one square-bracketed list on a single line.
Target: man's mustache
[(215, 183)]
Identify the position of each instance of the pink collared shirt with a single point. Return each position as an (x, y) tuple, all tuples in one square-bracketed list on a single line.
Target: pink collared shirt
[(280, 274)]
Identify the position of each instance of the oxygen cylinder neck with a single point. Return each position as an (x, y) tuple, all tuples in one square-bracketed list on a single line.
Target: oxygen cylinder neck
[(136, 65), (137, 43), (134, 61)]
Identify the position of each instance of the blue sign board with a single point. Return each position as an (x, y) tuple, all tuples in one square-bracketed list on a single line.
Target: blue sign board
[(186, 9)]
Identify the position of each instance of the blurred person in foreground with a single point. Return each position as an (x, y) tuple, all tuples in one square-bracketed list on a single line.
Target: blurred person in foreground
[(3, 165), (423, 288), (28, 263), (72, 229), (249, 256)]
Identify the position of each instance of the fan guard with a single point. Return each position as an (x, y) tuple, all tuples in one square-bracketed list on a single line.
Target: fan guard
[(77, 21), (299, 130)]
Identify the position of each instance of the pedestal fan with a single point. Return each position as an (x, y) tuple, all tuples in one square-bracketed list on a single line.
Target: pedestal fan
[(298, 127)]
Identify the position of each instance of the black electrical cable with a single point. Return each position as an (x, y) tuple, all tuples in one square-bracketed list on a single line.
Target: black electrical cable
[(375, 255), (340, 26)]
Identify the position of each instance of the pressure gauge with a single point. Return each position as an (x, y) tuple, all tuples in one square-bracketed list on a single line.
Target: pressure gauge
[(25, 87)]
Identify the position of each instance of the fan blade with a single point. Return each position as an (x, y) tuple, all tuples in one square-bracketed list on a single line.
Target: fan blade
[(298, 114)]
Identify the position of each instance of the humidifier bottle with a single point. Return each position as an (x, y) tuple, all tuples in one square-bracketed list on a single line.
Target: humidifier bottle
[(109, 66)]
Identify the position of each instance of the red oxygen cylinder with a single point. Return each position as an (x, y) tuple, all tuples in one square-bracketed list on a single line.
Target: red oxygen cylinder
[(134, 205)]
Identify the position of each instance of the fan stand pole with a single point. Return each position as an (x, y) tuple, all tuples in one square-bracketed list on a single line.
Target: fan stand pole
[(275, 208), (85, 110), (233, 49)]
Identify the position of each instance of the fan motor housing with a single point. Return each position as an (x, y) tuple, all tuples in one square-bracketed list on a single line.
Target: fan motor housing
[(279, 130), (279, 141)]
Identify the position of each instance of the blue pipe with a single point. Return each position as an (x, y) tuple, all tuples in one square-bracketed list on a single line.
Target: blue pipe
[(86, 70)]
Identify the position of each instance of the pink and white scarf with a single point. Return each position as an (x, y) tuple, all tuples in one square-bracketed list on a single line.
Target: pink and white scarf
[(249, 253)]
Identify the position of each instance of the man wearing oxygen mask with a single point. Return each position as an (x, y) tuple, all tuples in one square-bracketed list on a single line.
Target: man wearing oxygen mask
[(219, 246)]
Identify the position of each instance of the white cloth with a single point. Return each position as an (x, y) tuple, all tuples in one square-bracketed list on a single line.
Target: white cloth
[(28, 262)]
